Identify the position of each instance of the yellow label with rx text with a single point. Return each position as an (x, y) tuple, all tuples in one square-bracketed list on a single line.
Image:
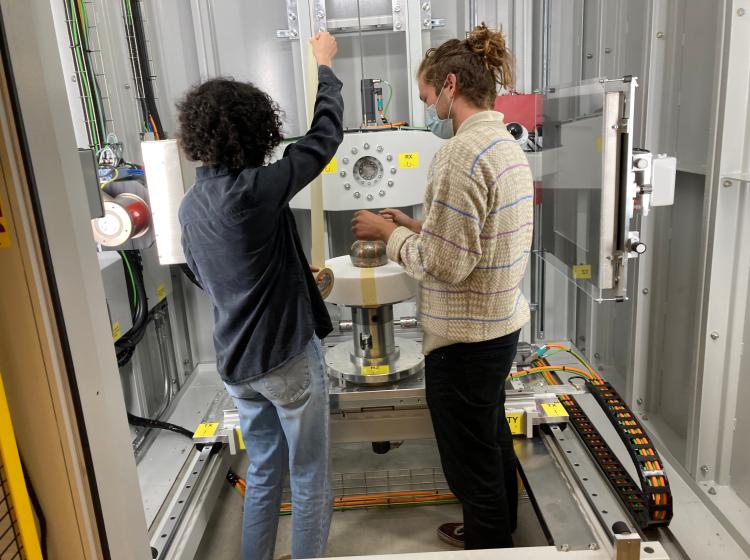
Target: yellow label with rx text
[(582, 272), (408, 161)]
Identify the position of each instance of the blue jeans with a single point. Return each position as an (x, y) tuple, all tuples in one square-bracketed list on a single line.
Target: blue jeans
[(284, 419)]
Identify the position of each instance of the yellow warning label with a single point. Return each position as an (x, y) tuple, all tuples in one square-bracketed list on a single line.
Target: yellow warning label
[(332, 167), (599, 144), (116, 331), (239, 438), (4, 228), (376, 370), (206, 429), (582, 272), (408, 161), (161, 292), (515, 421), (554, 409)]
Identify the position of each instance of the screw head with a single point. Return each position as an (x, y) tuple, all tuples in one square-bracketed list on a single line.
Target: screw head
[(355, 151), (741, 12), (379, 148), (342, 173), (398, 25), (390, 183), (608, 50), (426, 6), (393, 170), (589, 56), (427, 22), (705, 469), (366, 146), (644, 291), (74, 78), (345, 160), (660, 34), (381, 193), (715, 335), (639, 402), (292, 16), (126, 86), (370, 197), (389, 157), (293, 33), (598, 356), (347, 186), (727, 183), (357, 195), (712, 491), (397, 8), (321, 14)]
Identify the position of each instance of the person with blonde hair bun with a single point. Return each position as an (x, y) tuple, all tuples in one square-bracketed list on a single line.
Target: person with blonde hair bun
[(469, 255)]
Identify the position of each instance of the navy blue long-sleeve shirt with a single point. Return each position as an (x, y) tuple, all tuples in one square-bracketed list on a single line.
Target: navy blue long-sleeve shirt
[(241, 242)]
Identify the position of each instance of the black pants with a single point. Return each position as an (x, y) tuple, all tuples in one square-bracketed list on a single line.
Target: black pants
[(465, 385)]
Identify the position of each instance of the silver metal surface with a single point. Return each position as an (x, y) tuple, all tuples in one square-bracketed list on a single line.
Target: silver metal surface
[(587, 475), (558, 510), (409, 362), (372, 336)]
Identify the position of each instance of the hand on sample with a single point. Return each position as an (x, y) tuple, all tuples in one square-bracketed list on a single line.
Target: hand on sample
[(401, 219), (324, 48), (369, 226)]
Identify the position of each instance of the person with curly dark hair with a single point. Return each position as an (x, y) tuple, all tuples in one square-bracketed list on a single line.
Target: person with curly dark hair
[(241, 243)]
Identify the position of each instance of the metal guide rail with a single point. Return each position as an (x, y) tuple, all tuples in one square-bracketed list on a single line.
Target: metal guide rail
[(650, 505)]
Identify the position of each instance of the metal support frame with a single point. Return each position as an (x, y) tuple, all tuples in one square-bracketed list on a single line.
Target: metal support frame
[(414, 53)]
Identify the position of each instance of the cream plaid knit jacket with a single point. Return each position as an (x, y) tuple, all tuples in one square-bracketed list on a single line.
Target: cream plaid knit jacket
[(472, 253)]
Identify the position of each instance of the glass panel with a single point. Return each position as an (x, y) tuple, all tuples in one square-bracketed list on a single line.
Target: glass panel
[(258, 56)]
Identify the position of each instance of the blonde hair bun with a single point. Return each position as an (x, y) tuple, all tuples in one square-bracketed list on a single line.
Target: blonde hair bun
[(492, 47)]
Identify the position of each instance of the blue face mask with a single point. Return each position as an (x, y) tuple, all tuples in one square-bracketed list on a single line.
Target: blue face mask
[(442, 128)]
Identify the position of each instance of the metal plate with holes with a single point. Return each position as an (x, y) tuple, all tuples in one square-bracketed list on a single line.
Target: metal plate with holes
[(600, 496), (162, 540)]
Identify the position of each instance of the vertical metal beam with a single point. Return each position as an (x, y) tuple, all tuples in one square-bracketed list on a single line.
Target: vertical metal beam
[(414, 54)]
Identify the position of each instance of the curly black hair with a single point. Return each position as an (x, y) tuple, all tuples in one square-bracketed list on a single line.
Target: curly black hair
[(228, 123)]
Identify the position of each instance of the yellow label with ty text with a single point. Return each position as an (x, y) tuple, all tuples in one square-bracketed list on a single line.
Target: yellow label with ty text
[(408, 161), (515, 421)]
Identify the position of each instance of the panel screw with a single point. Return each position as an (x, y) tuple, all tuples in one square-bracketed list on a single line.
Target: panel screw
[(342, 173), (345, 160), (347, 186), (389, 157), (741, 12), (645, 291), (426, 6), (607, 50), (705, 469), (393, 170), (398, 24), (727, 183), (589, 56), (73, 78), (126, 86), (593, 546), (427, 22), (597, 356), (366, 146), (379, 148), (660, 34), (390, 183), (355, 150), (639, 402), (712, 491), (370, 197), (564, 548), (292, 16), (715, 335), (397, 8), (293, 33), (381, 193), (357, 195), (321, 14)]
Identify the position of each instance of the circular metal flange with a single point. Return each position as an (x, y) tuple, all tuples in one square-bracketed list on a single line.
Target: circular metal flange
[(410, 361)]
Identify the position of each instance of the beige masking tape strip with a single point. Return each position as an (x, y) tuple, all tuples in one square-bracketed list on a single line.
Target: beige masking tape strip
[(317, 254), (367, 283)]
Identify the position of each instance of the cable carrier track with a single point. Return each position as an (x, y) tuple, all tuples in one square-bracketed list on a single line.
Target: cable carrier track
[(650, 504)]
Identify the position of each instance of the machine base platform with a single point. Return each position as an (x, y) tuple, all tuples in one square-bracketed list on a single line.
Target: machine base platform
[(409, 362)]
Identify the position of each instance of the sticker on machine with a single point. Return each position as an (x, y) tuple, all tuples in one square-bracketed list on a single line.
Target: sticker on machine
[(408, 161), (582, 272), (332, 167), (4, 228)]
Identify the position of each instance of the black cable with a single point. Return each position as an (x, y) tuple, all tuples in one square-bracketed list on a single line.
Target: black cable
[(125, 345), (141, 422), (37, 510), (139, 33)]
